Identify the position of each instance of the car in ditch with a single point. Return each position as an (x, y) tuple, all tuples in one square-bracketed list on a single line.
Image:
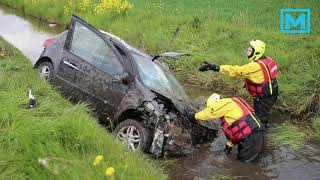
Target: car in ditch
[(133, 94)]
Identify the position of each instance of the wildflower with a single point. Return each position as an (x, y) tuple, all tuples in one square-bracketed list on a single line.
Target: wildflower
[(68, 8), (44, 161), (110, 171), (97, 160), (112, 5), (85, 4)]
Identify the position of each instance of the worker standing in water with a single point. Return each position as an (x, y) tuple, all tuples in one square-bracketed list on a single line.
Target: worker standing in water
[(239, 123), (260, 78)]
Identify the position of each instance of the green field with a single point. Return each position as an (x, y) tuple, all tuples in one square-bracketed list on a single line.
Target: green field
[(216, 30), (64, 135)]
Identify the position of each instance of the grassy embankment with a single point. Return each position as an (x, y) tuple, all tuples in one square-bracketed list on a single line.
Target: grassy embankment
[(65, 135), (215, 30)]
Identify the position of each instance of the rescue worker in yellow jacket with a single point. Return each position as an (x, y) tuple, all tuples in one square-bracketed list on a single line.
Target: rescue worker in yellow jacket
[(239, 123), (260, 78)]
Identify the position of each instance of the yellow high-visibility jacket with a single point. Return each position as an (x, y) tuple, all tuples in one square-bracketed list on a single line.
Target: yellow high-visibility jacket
[(224, 107), (251, 71)]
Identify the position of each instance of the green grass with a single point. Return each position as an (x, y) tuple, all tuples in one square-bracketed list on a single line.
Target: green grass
[(290, 135), (215, 30), (218, 31), (316, 125), (57, 130)]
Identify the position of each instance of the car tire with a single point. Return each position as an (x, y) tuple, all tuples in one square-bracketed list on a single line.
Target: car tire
[(45, 70), (130, 131)]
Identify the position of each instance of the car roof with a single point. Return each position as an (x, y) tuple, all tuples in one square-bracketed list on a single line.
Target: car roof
[(128, 46)]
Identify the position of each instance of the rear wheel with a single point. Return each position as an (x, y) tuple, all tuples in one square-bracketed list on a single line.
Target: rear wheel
[(133, 134), (45, 70)]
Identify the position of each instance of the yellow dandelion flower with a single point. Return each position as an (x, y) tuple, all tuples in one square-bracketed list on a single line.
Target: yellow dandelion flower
[(97, 160), (85, 4), (68, 8), (110, 171)]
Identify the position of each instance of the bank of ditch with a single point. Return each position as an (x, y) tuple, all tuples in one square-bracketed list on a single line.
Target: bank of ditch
[(213, 30), (56, 139)]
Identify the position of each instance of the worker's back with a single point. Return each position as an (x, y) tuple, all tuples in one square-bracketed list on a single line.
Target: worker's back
[(225, 107)]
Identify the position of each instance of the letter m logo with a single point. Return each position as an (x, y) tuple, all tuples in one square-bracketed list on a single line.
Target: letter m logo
[(295, 21)]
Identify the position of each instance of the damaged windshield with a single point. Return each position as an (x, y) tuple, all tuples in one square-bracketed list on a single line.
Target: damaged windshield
[(159, 79)]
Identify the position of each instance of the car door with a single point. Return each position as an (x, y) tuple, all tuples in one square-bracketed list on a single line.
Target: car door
[(92, 68)]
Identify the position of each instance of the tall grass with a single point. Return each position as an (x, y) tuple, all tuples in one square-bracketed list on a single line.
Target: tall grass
[(290, 135), (65, 135), (316, 125), (218, 31)]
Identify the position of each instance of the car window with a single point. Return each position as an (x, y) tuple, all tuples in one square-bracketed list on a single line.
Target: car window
[(92, 48), (159, 78)]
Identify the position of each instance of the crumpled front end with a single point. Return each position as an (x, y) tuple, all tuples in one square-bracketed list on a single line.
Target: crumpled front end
[(171, 139), (173, 134)]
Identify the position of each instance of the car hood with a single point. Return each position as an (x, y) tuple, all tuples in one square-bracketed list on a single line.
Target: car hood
[(184, 108)]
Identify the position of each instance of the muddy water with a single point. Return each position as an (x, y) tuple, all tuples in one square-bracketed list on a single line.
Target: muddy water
[(276, 162), (208, 160), (24, 32)]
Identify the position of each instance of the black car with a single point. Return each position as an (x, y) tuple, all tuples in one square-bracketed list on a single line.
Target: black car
[(130, 92)]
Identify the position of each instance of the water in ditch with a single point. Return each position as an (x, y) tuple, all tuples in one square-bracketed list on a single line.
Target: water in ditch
[(207, 161)]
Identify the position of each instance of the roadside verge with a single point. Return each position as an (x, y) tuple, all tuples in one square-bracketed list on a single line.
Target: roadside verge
[(55, 139)]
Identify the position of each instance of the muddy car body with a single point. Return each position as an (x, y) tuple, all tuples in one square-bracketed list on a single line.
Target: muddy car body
[(129, 91)]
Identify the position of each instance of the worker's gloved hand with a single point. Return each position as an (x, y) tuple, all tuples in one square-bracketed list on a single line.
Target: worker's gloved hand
[(207, 66), (190, 113), (191, 117), (228, 147), (215, 67)]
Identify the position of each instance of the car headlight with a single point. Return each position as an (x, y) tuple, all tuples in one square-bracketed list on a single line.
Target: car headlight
[(154, 107)]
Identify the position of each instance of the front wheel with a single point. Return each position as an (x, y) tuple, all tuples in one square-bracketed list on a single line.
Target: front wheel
[(133, 134), (45, 70)]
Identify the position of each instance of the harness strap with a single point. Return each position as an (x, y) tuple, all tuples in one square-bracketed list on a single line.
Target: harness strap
[(268, 73), (246, 104), (253, 117)]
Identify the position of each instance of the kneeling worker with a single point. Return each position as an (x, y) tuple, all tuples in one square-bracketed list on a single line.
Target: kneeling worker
[(240, 125)]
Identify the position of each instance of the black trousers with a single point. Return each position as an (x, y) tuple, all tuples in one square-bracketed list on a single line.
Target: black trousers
[(251, 146), (262, 107)]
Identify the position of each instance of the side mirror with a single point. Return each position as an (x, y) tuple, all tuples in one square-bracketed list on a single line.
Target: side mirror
[(125, 78)]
